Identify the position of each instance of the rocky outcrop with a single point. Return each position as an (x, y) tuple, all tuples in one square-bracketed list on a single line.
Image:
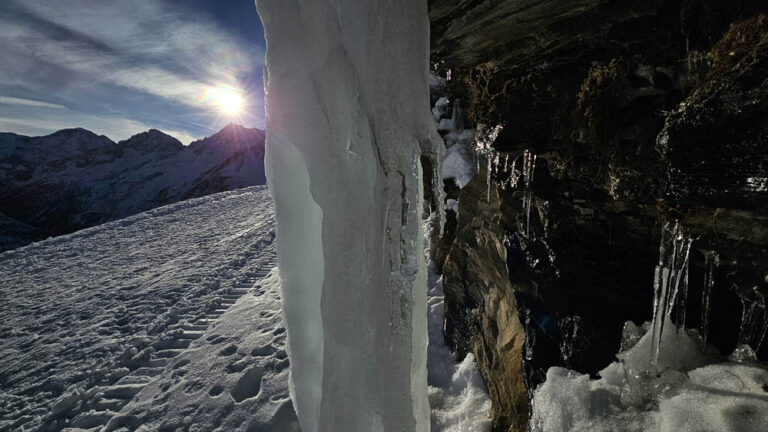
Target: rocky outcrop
[(481, 312), (640, 113)]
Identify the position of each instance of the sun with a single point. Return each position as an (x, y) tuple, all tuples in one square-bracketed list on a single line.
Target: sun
[(229, 102)]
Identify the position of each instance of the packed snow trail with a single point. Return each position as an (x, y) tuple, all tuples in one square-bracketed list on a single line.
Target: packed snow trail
[(348, 119), (93, 318), (233, 378)]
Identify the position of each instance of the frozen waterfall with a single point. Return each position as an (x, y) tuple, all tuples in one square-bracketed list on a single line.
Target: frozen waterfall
[(348, 119)]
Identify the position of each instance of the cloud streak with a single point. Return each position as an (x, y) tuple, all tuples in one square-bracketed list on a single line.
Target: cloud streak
[(29, 102), (144, 61)]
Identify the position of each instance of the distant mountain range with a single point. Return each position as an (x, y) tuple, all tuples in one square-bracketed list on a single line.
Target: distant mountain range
[(73, 178)]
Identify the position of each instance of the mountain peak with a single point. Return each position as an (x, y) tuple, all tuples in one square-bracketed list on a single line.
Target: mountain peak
[(232, 136), (74, 132), (152, 140), (75, 140)]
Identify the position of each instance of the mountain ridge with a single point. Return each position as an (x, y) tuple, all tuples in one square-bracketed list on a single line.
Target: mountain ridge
[(73, 178)]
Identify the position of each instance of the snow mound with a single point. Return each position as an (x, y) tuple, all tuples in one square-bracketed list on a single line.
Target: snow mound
[(689, 394)]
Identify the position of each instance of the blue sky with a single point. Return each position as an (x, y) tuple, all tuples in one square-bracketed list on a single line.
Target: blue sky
[(119, 67)]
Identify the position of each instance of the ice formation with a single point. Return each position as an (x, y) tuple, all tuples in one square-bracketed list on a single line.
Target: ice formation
[(348, 119), (459, 160), (666, 378), (710, 262), (529, 167), (671, 277), (689, 394)]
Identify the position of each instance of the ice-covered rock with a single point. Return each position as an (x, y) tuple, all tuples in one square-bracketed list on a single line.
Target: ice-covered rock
[(348, 119), (459, 163)]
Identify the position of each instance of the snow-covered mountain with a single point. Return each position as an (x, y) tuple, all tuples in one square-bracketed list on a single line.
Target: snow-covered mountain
[(73, 179)]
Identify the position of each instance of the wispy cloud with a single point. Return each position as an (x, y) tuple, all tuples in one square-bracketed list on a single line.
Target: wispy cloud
[(137, 61), (29, 102)]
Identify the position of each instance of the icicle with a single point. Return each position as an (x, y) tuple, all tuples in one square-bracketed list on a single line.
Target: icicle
[(488, 179), (506, 161), (569, 328), (514, 174), (483, 148), (528, 214), (529, 167), (530, 336), (747, 317), (761, 335), (754, 319), (710, 262), (682, 298), (674, 250)]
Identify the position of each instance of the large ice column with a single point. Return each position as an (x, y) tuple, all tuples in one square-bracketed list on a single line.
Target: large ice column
[(347, 120)]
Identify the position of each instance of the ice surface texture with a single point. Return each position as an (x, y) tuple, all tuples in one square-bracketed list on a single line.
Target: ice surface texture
[(348, 119)]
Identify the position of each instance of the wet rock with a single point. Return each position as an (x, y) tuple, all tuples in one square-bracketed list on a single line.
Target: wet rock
[(481, 310), (640, 113)]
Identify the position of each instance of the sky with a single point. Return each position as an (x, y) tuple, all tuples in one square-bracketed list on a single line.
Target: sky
[(119, 67)]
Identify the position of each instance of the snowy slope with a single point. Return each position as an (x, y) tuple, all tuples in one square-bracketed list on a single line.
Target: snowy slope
[(74, 179), (94, 318), (168, 320), (233, 378)]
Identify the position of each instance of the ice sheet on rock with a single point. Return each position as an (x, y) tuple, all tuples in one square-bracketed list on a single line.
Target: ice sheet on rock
[(345, 133), (459, 159), (440, 108), (459, 163)]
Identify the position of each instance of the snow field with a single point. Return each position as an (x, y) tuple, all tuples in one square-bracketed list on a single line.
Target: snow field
[(91, 318), (233, 378)]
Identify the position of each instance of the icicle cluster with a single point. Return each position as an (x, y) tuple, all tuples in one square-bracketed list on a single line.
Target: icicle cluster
[(670, 278), (483, 150), (506, 174), (529, 167)]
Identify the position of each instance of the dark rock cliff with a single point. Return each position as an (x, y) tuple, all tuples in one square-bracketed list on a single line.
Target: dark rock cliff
[(639, 113)]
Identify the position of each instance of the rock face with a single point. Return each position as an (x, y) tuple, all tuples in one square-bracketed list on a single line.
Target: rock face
[(74, 179), (481, 313), (640, 113)]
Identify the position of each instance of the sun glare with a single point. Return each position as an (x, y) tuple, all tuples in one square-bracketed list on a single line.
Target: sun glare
[(229, 102)]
